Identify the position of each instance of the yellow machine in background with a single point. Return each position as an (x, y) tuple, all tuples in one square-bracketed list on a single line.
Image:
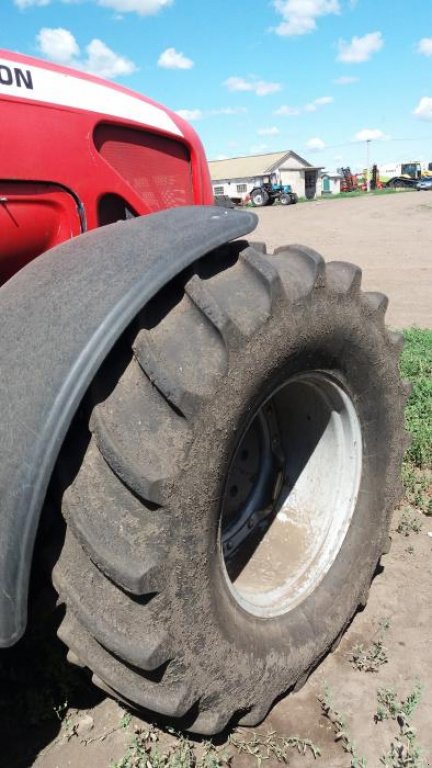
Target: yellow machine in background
[(405, 174), (416, 170)]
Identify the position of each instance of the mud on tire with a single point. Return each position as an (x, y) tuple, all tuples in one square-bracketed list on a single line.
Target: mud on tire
[(152, 607)]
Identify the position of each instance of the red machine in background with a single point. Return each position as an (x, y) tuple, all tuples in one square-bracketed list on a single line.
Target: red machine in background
[(349, 182)]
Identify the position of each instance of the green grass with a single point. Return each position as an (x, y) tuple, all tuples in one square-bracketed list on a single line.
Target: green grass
[(271, 746), (390, 706), (404, 752), (355, 193), (416, 366), (145, 751), (362, 193), (343, 195)]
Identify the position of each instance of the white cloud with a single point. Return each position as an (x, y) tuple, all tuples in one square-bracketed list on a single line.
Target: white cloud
[(321, 102), (60, 46), (299, 17), (142, 7), (23, 4), (423, 109), (260, 87), (370, 134), (360, 49), (312, 106), (315, 145), (190, 114), (228, 111), (172, 59), (104, 62), (263, 89), (238, 84), (287, 111), (424, 46), (345, 80), (199, 114), (272, 131)]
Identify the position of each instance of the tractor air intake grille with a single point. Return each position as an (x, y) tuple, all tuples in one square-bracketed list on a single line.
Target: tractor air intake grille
[(157, 168)]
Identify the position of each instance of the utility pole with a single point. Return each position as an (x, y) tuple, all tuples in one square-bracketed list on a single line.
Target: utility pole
[(368, 141)]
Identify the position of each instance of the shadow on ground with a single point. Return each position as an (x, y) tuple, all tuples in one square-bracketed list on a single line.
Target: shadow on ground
[(37, 686)]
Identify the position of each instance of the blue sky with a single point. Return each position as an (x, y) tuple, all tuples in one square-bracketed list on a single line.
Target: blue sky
[(316, 76)]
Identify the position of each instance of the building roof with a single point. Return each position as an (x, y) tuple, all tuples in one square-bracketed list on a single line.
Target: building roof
[(307, 167), (253, 165), (332, 174)]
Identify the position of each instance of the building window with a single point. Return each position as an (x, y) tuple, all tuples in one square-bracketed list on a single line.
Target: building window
[(219, 190), (241, 188)]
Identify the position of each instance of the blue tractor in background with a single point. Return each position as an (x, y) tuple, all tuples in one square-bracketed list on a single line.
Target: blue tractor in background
[(271, 190)]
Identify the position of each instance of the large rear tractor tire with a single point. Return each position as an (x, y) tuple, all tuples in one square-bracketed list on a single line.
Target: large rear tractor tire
[(228, 501), (259, 197)]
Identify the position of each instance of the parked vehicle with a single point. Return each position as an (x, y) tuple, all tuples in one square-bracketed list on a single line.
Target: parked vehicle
[(424, 184), (413, 169), (204, 438), (349, 181), (268, 193), (402, 182)]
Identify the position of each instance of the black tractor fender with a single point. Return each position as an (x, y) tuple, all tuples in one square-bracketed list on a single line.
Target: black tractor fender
[(60, 316)]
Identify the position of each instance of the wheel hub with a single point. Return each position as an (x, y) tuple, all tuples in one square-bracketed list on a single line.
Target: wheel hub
[(290, 494), (254, 481)]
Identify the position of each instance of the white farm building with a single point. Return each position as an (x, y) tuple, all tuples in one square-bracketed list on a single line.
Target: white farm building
[(236, 176)]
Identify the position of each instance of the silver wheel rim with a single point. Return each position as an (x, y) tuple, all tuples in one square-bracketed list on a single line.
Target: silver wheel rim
[(290, 494), (258, 199)]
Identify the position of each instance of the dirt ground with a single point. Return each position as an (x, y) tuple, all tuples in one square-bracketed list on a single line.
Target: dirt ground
[(389, 237)]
